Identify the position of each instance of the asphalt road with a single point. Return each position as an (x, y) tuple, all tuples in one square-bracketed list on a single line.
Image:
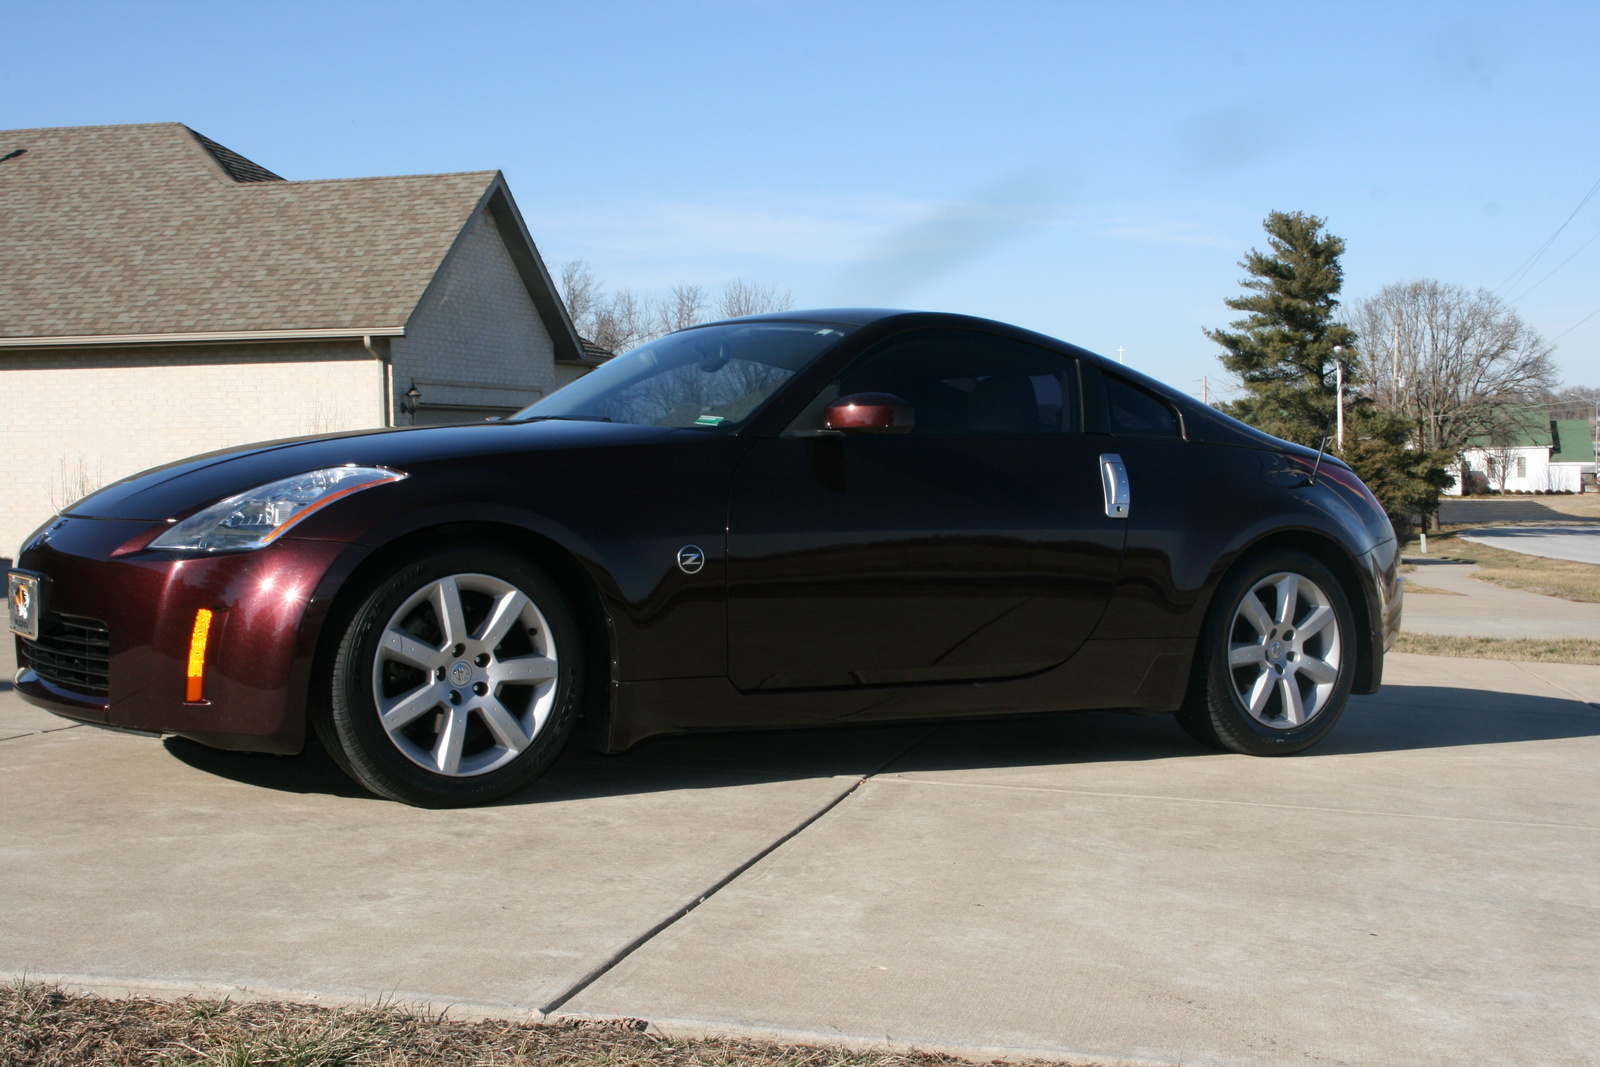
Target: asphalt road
[(1565, 509), (1418, 890), (1578, 543)]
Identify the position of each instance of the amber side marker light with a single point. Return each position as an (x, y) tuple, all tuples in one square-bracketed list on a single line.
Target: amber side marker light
[(201, 634)]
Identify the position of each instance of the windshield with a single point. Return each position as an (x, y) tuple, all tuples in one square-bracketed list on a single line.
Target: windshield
[(707, 378)]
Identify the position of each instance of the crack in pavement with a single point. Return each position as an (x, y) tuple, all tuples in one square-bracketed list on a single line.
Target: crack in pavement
[(650, 934)]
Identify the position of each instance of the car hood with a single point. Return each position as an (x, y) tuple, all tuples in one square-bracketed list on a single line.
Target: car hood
[(173, 490)]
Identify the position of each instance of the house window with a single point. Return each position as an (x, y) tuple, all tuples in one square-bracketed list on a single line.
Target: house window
[(1522, 466)]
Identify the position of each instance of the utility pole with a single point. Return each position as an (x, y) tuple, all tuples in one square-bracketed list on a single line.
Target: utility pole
[(1205, 393), (1119, 354)]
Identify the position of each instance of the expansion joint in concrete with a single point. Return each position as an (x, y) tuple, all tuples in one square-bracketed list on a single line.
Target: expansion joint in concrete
[(37, 733), (716, 887)]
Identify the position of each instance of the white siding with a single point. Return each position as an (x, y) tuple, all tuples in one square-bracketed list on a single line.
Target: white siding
[(1537, 473), (71, 422)]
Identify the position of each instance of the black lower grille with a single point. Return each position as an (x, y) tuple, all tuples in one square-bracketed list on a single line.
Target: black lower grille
[(72, 651)]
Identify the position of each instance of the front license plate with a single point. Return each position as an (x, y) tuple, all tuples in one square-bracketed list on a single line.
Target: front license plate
[(24, 603)]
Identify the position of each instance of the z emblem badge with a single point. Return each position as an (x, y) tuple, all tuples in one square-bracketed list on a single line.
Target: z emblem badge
[(690, 559)]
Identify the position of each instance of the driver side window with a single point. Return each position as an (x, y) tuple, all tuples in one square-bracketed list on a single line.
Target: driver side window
[(963, 382)]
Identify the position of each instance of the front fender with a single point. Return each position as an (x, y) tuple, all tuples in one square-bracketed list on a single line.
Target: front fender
[(620, 516)]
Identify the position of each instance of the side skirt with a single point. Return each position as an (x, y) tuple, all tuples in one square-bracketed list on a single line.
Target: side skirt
[(1147, 675)]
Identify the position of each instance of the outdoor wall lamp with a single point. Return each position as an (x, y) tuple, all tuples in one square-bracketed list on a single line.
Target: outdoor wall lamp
[(409, 398)]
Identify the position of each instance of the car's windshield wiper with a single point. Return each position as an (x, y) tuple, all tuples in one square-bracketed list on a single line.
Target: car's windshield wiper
[(567, 418)]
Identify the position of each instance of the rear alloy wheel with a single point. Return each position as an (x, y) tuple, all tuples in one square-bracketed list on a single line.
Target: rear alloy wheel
[(456, 681), (1279, 658)]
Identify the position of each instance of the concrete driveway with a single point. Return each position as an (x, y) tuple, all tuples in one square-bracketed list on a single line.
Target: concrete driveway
[(1470, 608), (1419, 890)]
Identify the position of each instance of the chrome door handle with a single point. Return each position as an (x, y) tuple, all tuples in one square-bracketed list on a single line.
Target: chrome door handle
[(1114, 480)]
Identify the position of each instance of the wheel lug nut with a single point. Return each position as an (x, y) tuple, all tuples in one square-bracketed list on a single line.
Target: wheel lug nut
[(480, 688), (455, 696), (458, 650), (482, 660)]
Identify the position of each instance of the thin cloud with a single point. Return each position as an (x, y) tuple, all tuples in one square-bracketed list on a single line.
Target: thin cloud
[(947, 238), (813, 229), (1160, 231)]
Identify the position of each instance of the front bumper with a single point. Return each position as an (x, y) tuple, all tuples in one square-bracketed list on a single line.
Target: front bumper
[(267, 608)]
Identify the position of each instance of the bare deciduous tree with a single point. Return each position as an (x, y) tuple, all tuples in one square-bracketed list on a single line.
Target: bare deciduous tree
[(683, 306), (581, 291), (1499, 461), (1574, 402), (1456, 361), (615, 321), (741, 297), (620, 320)]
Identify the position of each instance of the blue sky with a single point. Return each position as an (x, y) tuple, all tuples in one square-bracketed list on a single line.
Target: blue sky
[(1092, 171)]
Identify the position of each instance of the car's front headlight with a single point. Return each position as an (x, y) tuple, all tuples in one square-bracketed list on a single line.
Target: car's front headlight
[(255, 519)]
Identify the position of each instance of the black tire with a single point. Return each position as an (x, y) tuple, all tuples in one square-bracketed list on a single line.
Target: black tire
[(1216, 712), (491, 698)]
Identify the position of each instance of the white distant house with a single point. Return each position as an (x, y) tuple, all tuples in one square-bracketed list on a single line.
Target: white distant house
[(161, 296), (1542, 455)]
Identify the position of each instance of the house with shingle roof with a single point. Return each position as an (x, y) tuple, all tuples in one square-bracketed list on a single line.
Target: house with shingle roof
[(162, 295)]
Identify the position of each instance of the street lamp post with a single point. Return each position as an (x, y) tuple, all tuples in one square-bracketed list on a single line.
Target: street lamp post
[(1338, 379)]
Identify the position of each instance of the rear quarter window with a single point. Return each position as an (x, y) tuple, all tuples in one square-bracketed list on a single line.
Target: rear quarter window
[(1138, 412)]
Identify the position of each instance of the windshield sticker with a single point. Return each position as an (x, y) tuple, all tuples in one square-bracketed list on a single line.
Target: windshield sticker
[(710, 420)]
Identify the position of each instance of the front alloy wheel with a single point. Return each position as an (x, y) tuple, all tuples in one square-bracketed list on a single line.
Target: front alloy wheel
[(1284, 651), (1276, 658), (465, 674), (456, 681)]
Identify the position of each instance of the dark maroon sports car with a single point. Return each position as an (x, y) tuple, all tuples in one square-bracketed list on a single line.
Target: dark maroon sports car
[(807, 518)]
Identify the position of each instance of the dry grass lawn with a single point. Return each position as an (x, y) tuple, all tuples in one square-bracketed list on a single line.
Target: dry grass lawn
[(1523, 649), (44, 1026), (1514, 570)]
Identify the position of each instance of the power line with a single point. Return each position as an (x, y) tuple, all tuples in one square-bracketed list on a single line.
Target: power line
[(1563, 263), (1575, 325), (1521, 272)]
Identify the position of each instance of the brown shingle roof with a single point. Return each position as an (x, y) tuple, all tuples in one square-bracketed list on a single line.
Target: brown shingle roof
[(153, 229)]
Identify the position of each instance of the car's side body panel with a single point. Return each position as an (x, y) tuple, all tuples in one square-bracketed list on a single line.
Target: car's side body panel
[(886, 560)]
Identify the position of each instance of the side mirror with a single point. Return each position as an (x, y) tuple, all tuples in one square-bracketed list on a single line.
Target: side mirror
[(869, 413)]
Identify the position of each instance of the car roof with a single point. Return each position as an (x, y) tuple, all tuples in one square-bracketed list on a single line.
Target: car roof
[(869, 316), (835, 316)]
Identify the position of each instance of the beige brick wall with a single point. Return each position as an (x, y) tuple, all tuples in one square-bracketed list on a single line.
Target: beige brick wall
[(73, 421), (476, 337)]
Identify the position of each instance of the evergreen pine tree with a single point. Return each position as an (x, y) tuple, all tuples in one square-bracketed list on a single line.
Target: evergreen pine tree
[(1282, 350), (1282, 353), (1380, 448)]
